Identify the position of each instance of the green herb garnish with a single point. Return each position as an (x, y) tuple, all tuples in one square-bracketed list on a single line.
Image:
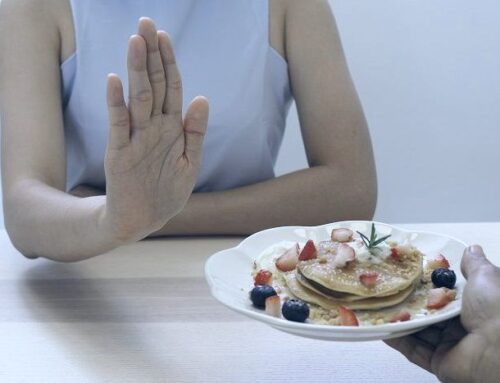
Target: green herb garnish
[(372, 242)]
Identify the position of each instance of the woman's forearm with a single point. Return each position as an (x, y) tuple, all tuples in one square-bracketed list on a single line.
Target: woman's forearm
[(308, 197), (45, 222)]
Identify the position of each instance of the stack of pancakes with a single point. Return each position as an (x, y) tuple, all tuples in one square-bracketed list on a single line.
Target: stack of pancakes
[(319, 282)]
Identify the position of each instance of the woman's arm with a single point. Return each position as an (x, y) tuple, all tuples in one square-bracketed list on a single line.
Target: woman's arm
[(38, 214), (150, 148), (341, 181)]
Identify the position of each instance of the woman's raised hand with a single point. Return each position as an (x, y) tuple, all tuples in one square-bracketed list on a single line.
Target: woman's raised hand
[(153, 153)]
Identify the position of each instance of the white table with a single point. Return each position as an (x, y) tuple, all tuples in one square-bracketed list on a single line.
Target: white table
[(143, 313)]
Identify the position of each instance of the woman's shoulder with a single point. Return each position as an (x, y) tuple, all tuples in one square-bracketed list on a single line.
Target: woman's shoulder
[(47, 19), (283, 14)]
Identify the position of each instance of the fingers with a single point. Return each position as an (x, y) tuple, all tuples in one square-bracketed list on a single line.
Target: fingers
[(415, 350), (156, 71), (195, 126), (473, 260), (447, 332), (140, 92), (119, 123), (173, 99), (431, 335)]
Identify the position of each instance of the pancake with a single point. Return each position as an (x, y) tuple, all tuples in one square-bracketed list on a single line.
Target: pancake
[(321, 290), (393, 276), (310, 296), (327, 293)]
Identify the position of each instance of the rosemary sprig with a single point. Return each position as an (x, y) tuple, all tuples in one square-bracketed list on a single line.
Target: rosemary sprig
[(373, 241)]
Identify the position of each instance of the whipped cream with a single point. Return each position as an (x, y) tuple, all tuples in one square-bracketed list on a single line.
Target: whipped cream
[(376, 255)]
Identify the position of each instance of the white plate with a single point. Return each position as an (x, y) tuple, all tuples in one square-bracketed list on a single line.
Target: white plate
[(229, 276)]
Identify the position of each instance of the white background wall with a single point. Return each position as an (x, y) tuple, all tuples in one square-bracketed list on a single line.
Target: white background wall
[(428, 75)]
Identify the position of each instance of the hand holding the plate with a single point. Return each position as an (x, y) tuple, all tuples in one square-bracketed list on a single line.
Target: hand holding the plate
[(465, 349)]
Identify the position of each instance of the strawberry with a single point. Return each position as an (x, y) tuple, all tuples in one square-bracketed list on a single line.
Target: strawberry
[(401, 316), (439, 262), (347, 317), (263, 277), (345, 253), (273, 306), (369, 279), (289, 259), (308, 252), (395, 255), (342, 235), (438, 298)]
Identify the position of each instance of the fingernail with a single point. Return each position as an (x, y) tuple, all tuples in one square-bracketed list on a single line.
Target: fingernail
[(475, 249)]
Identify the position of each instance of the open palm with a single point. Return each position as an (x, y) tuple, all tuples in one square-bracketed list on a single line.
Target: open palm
[(153, 154)]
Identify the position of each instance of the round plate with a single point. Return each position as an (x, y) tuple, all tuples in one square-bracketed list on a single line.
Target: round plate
[(229, 276)]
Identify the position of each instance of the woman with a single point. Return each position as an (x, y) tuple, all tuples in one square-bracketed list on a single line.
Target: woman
[(247, 57)]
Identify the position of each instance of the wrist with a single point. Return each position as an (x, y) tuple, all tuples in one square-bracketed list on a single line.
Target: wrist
[(120, 229), (111, 233)]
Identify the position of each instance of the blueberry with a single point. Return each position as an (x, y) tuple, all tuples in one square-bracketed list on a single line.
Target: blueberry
[(295, 310), (444, 278), (260, 293)]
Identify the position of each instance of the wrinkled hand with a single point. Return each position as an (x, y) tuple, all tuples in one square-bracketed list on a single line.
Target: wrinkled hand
[(153, 154), (465, 349)]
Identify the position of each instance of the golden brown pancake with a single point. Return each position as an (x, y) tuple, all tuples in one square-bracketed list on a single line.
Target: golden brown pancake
[(301, 292), (393, 276), (321, 290)]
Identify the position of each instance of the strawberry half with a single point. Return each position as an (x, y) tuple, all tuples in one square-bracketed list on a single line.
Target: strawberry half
[(273, 306), (288, 261), (342, 235), (263, 277), (308, 252), (439, 262), (395, 255), (401, 316), (347, 317), (345, 253), (438, 298), (369, 279)]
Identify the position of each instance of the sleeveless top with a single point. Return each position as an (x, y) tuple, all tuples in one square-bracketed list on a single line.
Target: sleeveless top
[(223, 52)]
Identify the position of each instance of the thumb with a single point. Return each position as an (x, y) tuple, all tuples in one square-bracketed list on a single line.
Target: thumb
[(473, 260), (195, 126)]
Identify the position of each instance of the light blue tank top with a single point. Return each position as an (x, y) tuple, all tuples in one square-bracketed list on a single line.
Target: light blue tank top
[(223, 52)]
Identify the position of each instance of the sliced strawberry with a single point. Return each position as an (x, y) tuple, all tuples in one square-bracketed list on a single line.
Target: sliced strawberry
[(401, 316), (369, 279), (273, 306), (308, 252), (347, 317), (288, 261), (263, 277), (438, 298), (345, 253), (439, 262), (342, 235), (395, 255)]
